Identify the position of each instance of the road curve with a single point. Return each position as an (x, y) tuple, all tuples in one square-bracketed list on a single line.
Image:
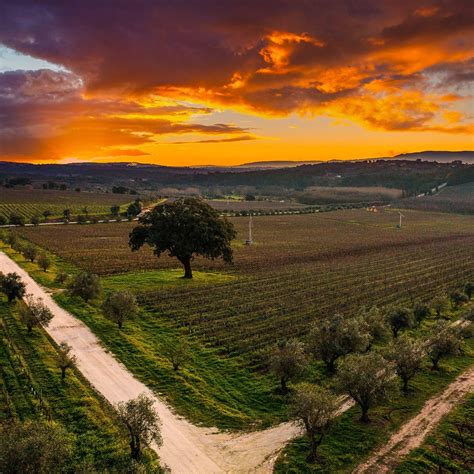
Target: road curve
[(186, 448)]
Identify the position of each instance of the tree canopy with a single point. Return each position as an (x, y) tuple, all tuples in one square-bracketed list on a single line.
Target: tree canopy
[(185, 228)]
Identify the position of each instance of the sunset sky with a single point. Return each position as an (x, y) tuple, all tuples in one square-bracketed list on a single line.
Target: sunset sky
[(187, 82)]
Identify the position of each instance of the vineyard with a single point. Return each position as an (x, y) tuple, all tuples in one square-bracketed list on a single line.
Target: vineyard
[(31, 388), (304, 268), (450, 448), (33, 202), (450, 199)]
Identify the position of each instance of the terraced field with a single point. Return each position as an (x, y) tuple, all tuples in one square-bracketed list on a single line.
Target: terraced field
[(300, 269)]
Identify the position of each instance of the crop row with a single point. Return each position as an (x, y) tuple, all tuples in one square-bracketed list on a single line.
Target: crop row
[(247, 316)]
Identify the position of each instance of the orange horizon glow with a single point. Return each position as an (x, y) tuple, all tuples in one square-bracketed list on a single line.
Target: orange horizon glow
[(377, 80)]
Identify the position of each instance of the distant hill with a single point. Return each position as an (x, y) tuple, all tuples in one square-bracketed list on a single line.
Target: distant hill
[(265, 165), (439, 156)]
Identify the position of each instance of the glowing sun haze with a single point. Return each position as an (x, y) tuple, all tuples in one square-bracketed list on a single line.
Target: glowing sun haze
[(188, 82)]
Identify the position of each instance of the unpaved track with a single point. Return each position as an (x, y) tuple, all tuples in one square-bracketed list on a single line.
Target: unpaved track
[(412, 434), (186, 448)]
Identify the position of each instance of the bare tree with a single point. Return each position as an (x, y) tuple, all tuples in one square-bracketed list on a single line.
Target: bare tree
[(142, 423), (65, 360), (314, 408), (33, 312), (367, 378), (287, 361), (407, 355)]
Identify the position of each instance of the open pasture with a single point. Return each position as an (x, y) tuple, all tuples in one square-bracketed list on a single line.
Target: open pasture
[(33, 202), (300, 269)]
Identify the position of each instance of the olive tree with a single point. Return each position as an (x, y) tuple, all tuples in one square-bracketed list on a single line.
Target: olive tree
[(120, 306), (85, 285), (374, 324), (399, 318), (38, 447), (335, 337), (458, 298), (142, 422), (44, 261), (420, 312), (407, 356), (367, 378), (33, 312), (178, 352), (30, 252), (314, 408), (64, 359), (469, 289), (445, 339), (287, 361), (12, 286), (185, 228), (440, 304)]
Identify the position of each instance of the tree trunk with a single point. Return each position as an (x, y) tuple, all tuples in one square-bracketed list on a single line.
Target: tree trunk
[(331, 365), (365, 415), (186, 261), (135, 448), (119, 324), (284, 387), (435, 362), (63, 373), (313, 448), (405, 384)]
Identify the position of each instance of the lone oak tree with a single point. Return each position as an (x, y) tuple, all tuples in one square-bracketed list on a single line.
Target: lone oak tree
[(185, 228)]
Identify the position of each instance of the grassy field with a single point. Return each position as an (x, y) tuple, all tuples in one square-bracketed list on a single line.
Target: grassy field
[(450, 199), (449, 448), (33, 202), (31, 388)]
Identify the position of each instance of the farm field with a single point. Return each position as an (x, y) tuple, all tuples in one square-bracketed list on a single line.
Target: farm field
[(450, 447), (305, 268), (33, 202), (236, 206), (219, 391), (31, 388), (458, 198), (344, 194)]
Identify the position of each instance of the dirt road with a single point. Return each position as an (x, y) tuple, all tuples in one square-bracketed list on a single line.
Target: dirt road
[(186, 448), (412, 434)]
